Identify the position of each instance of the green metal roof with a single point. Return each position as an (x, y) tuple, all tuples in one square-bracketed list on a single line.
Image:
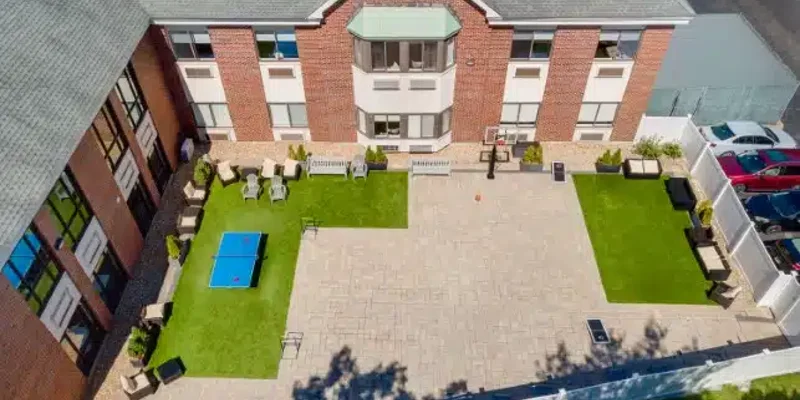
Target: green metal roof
[(403, 23)]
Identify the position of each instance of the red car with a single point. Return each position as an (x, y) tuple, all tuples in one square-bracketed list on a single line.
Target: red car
[(763, 170)]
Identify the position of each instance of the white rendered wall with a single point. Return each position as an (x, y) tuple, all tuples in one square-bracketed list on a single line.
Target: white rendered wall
[(405, 144), (525, 90), (403, 101), (283, 90), (202, 90), (607, 89)]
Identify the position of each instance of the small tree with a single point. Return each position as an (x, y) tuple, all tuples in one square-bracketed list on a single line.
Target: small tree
[(649, 147), (380, 156), (605, 159), (616, 158), (370, 155), (292, 154), (301, 153), (533, 154), (173, 247), (672, 150), (705, 212), (202, 171)]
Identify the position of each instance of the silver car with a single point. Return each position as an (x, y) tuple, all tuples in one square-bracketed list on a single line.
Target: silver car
[(739, 136)]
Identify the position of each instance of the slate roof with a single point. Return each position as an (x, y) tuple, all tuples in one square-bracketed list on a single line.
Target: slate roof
[(230, 9), (562, 9), (59, 60)]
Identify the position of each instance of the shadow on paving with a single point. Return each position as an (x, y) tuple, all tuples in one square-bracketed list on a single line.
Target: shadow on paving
[(145, 284)]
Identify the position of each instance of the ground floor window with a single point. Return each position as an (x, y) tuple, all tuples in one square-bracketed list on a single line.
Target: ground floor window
[(109, 279), (82, 339), (519, 114), (159, 166), (402, 126), (31, 271), (288, 115), (593, 114), (141, 207), (207, 115)]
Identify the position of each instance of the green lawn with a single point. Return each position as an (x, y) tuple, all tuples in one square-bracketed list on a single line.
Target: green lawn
[(236, 332), (784, 387), (638, 241)]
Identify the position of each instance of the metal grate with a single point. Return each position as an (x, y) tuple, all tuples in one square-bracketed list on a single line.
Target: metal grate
[(202, 73), (280, 72), (386, 84), (422, 84), (527, 73), (389, 148), (610, 72), (596, 137), (292, 136), (217, 136), (420, 149)]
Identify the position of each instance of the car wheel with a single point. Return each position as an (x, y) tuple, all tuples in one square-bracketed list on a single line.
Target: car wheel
[(739, 188), (773, 229)]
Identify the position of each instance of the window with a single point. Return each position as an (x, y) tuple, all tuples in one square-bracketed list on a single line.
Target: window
[(385, 56), (386, 125), (771, 134), (82, 339), (277, 44), (446, 115), (213, 115), (288, 115), (108, 279), (362, 121), (191, 45), (127, 88), (108, 134), (31, 271), (743, 140), (618, 45), (597, 113), (68, 209), (422, 56), (762, 141), (429, 56), (451, 51), (519, 114), (531, 45), (791, 170)]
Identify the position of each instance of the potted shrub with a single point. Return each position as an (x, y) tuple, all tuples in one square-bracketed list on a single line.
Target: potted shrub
[(532, 160), (176, 250), (649, 148), (609, 162), (202, 173), (298, 155), (376, 160), (703, 234), (138, 347), (705, 213)]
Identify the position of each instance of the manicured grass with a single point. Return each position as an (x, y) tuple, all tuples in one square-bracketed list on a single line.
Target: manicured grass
[(237, 332), (638, 241), (784, 387)]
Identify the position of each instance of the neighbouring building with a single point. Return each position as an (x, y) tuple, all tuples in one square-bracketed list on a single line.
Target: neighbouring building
[(95, 97)]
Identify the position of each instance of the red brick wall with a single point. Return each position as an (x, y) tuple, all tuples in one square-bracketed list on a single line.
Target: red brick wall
[(172, 77), (154, 82), (326, 55), (44, 224), (652, 47), (570, 62), (101, 190), (235, 53), (138, 154), (34, 365)]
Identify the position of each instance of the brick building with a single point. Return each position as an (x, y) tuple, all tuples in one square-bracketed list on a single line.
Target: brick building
[(92, 115)]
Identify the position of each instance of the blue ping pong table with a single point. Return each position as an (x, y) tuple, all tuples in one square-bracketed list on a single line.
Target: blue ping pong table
[(235, 261)]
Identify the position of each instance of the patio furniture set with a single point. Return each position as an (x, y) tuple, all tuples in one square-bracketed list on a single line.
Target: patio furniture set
[(152, 319), (707, 250)]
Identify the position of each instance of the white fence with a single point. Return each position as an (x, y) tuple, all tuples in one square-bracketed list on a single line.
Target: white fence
[(668, 129), (690, 380)]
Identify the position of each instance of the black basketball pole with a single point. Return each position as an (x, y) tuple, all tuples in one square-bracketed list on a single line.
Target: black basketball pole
[(492, 160)]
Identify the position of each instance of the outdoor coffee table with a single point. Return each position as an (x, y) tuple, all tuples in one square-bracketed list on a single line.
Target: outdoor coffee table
[(170, 370)]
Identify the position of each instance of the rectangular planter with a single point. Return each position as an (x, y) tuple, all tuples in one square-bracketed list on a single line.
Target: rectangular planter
[(607, 168), (524, 167), (377, 166)]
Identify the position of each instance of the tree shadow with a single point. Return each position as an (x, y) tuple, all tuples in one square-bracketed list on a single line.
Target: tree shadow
[(345, 381)]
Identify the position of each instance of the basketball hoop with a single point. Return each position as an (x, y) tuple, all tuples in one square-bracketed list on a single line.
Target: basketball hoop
[(501, 142)]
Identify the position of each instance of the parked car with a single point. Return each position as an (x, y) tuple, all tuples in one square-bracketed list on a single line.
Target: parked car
[(762, 170), (739, 136), (775, 212)]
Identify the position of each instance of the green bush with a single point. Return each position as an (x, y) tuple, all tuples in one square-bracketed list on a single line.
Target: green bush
[(534, 154), (370, 155), (173, 247), (616, 158), (649, 147), (202, 171), (705, 212), (672, 150), (609, 158), (301, 153), (292, 154), (380, 157), (137, 345)]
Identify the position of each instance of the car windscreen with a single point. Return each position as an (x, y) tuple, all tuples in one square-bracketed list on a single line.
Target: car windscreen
[(722, 132), (771, 134), (751, 162), (785, 204)]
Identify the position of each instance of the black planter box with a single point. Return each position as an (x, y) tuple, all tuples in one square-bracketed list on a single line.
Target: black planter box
[(607, 168), (377, 166)]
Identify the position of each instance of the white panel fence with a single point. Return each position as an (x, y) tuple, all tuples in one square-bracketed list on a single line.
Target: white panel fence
[(689, 380)]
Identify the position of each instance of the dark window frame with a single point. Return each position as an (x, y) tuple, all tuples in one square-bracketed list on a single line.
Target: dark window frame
[(276, 43), (137, 103), (87, 352), (213, 115), (192, 43), (364, 59), (43, 260), (78, 199), (438, 124), (533, 41), (118, 140), (619, 43), (108, 258)]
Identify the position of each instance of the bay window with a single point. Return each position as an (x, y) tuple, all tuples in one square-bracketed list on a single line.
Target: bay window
[(404, 126), (386, 125), (404, 56), (597, 114)]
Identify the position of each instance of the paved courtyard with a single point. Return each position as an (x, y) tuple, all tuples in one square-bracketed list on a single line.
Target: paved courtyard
[(473, 293)]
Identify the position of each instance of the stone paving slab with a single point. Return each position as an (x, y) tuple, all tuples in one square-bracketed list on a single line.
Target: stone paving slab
[(482, 292)]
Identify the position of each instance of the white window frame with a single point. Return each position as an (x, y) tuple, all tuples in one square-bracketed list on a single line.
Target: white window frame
[(292, 122), (595, 122), (535, 36), (276, 54), (517, 123), (192, 43), (619, 36), (214, 117)]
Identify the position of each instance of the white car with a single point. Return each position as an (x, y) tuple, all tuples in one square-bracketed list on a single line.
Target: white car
[(739, 136)]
